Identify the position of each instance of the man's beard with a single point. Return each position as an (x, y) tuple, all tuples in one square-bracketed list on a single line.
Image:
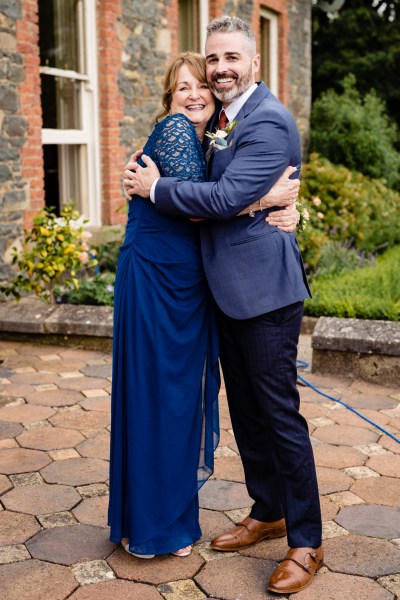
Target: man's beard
[(241, 85)]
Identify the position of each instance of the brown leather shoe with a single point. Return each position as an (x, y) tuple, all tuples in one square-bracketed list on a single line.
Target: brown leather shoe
[(296, 571), (247, 533)]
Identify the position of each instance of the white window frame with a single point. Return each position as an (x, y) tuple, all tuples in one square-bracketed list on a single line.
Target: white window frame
[(204, 19), (272, 17), (88, 136)]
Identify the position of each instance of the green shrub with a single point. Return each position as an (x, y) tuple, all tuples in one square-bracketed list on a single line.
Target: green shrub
[(54, 251), (339, 257), (371, 292), (98, 291), (356, 132), (346, 206), (107, 255)]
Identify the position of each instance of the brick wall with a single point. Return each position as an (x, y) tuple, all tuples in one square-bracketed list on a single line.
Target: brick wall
[(30, 107), (111, 110), (136, 40)]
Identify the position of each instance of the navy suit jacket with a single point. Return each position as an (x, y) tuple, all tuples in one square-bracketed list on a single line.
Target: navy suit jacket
[(251, 267)]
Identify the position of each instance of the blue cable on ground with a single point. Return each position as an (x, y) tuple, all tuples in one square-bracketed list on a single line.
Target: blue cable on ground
[(301, 364)]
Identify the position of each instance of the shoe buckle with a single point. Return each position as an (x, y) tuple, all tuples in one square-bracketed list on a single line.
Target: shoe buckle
[(313, 556)]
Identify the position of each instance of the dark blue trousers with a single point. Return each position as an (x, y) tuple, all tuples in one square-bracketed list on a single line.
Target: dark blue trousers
[(258, 358)]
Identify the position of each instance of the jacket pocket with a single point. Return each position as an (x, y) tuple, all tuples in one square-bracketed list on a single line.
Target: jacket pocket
[(252, 238)]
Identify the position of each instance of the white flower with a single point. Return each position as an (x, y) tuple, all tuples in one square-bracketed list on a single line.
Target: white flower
[(221, 133)]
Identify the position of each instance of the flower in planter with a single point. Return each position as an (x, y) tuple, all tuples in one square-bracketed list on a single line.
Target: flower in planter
[(55, 251)]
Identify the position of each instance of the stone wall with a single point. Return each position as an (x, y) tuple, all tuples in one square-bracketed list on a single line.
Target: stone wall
[(13, 131), (299, 75), (147, 31)]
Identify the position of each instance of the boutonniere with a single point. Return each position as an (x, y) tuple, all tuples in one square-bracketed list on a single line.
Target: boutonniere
[(218, 141)]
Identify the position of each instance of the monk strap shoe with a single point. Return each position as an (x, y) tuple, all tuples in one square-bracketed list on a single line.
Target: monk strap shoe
[(296, 571), (247, 533)]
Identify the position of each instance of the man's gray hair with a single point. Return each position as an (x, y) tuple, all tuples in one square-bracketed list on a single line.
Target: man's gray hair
[(227, 24)]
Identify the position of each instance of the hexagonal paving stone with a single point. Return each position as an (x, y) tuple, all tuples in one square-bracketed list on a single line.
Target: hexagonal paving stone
[(36, 580), (96, 447), (54, 398), (386, 464), (365, 400), (5, 484), (337, 457), (391, 583), (71, 544), (81, 419), (50, 438), (26, 413), (274, 550), (19, 390), (16, 528), (332, 480), (41, 499), (372, 520), (213, 523), (8, 429), (117, 590), (329, 509), (82, 383), (21, 460), (161, 569), (229, 468), (93, 511), (237, 577), (98, 371), (334, 586), (359, 555), (102, 404), (344, 435), (384, 490), (76, 471), (224, 495)]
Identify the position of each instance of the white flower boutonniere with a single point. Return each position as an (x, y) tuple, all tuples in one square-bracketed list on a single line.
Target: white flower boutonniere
[(218, 141)]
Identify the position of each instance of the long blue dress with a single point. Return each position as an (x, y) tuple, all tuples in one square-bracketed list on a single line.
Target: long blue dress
[(164, 415)]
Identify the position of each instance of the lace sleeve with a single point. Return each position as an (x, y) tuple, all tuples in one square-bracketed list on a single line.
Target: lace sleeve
[(178, 150)]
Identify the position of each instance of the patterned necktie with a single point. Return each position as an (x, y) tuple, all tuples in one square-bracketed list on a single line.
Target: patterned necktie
[(223, 120)]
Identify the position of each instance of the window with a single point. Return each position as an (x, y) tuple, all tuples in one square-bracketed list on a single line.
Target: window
[(68, 68), (193, 19), (269, 49)]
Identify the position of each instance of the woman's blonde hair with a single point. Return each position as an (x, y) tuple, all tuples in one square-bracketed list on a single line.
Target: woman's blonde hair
[(197, 66)]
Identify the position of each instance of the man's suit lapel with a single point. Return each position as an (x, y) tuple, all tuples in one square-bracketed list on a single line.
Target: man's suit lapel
[(212, 126), (256, 97)]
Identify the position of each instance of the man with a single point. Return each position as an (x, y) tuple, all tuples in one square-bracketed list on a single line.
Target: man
[(257, 278)]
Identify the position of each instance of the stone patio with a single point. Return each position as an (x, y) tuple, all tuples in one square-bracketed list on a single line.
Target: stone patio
[(54, 430)]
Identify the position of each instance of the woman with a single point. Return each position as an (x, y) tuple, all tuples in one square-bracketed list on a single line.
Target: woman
[(165, 357)]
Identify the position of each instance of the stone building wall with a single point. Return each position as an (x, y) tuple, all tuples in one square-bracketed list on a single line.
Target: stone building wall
[(136, 40), (13, 132), (299, 71)]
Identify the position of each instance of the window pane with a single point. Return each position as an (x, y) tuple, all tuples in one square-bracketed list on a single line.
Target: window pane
[(189, 25), (265, 47), (60, 102), (65, 167), (60, 33)]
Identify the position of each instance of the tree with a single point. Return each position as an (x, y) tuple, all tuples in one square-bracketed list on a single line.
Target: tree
[(362, 38)]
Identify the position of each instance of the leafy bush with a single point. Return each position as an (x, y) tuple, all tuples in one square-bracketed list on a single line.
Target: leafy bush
[(346, 206), (371, 292), (107, 255), (356, 132), (99, 291), (53, 252), (338, 257)]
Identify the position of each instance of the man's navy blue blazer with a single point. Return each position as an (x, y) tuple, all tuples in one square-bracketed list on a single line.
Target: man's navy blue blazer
[(251, 267)]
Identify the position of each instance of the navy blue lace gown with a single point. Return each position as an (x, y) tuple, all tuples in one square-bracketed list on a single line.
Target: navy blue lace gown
[(164, 416)]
